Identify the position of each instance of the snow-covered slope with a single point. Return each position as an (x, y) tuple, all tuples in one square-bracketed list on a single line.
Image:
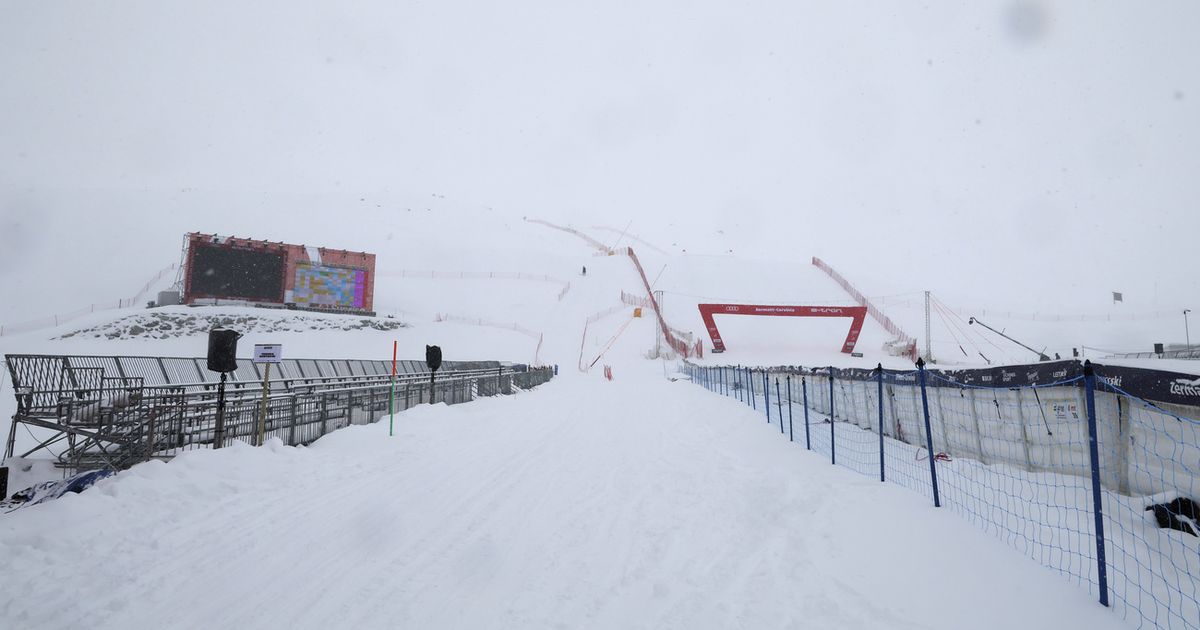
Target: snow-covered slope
[(1008, 155), (637, 503)]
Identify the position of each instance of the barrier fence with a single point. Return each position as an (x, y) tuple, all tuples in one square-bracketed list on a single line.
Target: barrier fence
[(478, 275), (114, 412), (623, 234), (907, 341), (1090, 470), (684, 347), (62, 318)]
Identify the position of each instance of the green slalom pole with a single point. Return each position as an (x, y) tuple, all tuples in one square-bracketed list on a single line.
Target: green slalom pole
[(392, 394)]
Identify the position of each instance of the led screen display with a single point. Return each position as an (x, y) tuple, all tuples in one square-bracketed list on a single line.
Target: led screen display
[(228, 272), (320, 285)]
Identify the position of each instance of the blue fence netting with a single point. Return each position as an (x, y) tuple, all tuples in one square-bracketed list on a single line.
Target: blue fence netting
[(1091, 470)]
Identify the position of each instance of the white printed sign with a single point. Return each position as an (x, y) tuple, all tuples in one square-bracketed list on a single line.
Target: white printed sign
[(268, 352), (1063, 410)]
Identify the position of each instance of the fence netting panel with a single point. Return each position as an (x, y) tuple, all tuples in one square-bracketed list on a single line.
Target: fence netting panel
[(1027, 483), (1017, 462), (1152, 457)]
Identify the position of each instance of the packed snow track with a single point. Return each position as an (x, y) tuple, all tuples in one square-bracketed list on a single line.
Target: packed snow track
[(638, 503)]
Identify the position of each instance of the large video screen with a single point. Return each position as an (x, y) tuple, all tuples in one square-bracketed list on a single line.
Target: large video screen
[(322, 285), (228, 272)]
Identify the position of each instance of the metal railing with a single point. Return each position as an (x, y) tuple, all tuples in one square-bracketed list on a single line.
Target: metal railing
[(114, 412), (1182, 353)]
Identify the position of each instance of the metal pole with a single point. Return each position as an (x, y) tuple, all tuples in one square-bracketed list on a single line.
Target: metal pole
[(262, 414), (937, 501), (753, 396), (219, 430), (791, 429), (767, 397), (295, 418), (1089, 379), (1187, 334), (832, 437), (779, 405), (879, 382), (804, 391), (392, 394), (928, 349)]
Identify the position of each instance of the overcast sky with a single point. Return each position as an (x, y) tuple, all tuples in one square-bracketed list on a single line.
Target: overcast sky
[(937, 143)]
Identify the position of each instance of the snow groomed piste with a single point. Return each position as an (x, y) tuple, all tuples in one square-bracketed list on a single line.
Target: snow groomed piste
[(635, 503)]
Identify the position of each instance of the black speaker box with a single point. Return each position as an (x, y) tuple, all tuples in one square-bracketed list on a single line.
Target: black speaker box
[(433, 357), (222, 350)]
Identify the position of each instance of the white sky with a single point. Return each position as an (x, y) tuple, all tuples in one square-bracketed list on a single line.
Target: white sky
[(1045, 151)]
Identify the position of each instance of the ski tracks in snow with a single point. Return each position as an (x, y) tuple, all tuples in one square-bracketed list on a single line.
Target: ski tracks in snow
[(585, 504)]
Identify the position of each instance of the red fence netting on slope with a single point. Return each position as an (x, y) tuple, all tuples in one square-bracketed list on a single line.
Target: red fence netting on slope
[(874, 312), (678, 345)]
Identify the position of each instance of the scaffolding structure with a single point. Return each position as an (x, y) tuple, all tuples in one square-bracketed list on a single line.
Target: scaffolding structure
[(113, 412)]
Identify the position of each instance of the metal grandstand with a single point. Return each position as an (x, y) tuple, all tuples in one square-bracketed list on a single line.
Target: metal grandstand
[(113, 412)]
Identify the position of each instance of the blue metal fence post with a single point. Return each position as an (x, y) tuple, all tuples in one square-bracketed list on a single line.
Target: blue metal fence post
[(832, 437), (804, 392), (767, 395), (791, 430), (937, 501), (742, 384), (737, 383), (1089, 380), (753, 396), (779, 405), (742, 381), (879, 382)]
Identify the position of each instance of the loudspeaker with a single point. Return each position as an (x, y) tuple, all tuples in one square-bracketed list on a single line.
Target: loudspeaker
[(433, 358), (222, 350), (1158, 348)]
